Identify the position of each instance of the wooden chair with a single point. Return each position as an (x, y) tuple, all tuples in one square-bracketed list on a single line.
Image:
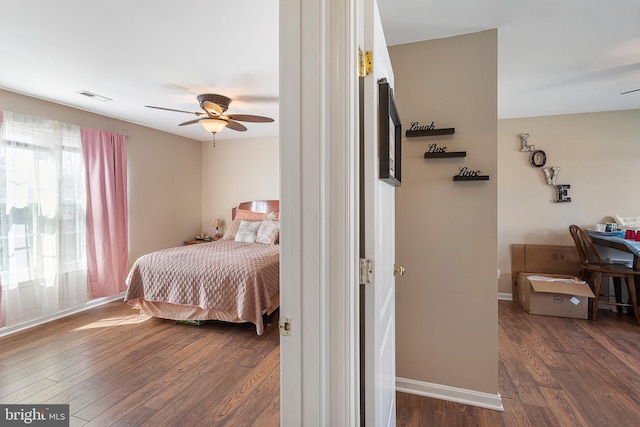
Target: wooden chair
[(594, 269)]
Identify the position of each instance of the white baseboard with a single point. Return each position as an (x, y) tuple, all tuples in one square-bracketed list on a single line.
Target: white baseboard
[(505, 296), (452, 394), (89, 305)]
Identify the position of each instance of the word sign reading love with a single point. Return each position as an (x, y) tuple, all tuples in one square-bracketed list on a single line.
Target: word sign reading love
[(538, 160), (466, 174)]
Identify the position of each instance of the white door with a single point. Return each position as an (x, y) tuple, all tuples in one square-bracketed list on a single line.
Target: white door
[(379, 242)]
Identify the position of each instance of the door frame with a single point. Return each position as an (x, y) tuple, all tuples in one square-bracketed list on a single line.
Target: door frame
[(319, 206)]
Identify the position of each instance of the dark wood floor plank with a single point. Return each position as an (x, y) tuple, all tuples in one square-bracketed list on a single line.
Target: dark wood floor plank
[(136, 371), (552, 372), (528, 345), (243, 391), (262, 408), (25, 377), (190, 394), (127, 409), (270, 415), (203, 404), (35, 359), (601, 404), (562, 407), (95, 402), (85, 325), (80, 382), (118, 367), (20, 394), (517, 371)]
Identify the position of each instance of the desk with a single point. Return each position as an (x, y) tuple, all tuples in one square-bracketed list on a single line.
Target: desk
[(619, 243)]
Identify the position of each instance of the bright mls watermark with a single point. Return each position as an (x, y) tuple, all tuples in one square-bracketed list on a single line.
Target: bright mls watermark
[(34, 415)]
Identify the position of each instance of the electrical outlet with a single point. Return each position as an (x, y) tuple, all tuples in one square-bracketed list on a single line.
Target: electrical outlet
[(498, 274)]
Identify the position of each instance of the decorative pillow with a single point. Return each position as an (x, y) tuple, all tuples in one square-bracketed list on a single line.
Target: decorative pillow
[(235, 224), (247, 232), (269, 232), (628, 221)]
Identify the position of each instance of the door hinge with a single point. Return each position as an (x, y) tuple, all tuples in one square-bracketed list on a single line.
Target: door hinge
[(365, 63), (366, 271), (285, 326)]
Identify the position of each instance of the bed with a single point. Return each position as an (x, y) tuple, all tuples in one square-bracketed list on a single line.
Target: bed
[(233, 279)]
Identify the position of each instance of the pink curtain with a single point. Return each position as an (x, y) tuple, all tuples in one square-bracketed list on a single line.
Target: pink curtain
[(0, 277), (105, 158)]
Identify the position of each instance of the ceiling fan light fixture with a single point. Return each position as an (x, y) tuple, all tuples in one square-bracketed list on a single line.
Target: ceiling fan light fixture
[(212, 108), (213, 125), (213, 103)]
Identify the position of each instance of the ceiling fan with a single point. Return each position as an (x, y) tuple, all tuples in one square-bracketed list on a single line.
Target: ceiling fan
[(213, 117), (629, 91)]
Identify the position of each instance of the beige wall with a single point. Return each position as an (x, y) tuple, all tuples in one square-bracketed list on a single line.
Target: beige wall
[(164, 174), (599, 156), (446, 306), (236, 171)]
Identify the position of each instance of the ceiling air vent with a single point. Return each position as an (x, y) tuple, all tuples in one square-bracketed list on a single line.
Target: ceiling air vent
[(94, 96)]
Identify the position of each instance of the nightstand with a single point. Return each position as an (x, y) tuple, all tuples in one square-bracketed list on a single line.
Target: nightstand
[(196, 241)]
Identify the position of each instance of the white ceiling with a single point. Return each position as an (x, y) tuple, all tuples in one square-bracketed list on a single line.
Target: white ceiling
[(555, 56)]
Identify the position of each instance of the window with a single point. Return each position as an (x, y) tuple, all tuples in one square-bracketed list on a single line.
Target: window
[(42, 218)]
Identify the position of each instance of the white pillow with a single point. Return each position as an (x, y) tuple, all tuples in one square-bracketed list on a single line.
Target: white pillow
[(628, 221), (247, 231), (269, 232)]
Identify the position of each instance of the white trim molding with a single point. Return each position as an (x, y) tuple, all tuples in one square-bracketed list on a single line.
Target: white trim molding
[(319, 196), (452, 394), (68, 312), (505, 296)]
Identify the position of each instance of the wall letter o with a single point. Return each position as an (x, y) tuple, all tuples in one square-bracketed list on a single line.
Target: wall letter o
[(538, 155)]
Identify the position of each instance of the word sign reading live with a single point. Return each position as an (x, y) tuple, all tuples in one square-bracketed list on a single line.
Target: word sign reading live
[(34, 415)]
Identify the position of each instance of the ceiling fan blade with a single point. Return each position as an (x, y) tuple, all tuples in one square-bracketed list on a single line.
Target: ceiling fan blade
[(190, 122), (250, 118), (178, 111), (236, 126), (629, 91)]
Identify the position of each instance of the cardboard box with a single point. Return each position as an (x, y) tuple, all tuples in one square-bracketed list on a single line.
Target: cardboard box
[(542, 259), (559, 295)]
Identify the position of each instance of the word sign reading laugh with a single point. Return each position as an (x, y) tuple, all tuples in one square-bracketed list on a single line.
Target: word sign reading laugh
[(538, 159)]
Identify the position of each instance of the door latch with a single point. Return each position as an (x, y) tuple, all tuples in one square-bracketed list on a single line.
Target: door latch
[(284, 324)]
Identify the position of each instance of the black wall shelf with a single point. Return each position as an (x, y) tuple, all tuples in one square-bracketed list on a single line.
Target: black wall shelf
[(445, 155), (430, 132), (471, 178)]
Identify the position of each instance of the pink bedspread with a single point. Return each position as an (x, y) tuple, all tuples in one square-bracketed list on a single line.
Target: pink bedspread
[(224, 275)]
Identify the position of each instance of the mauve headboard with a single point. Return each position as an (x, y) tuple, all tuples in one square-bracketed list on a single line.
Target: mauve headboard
[(262, 206)]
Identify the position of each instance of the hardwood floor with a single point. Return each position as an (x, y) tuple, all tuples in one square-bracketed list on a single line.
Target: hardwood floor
[(552, 372), (114, 366)]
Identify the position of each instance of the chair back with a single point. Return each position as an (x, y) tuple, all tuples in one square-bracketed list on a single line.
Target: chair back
[(587, 252)]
